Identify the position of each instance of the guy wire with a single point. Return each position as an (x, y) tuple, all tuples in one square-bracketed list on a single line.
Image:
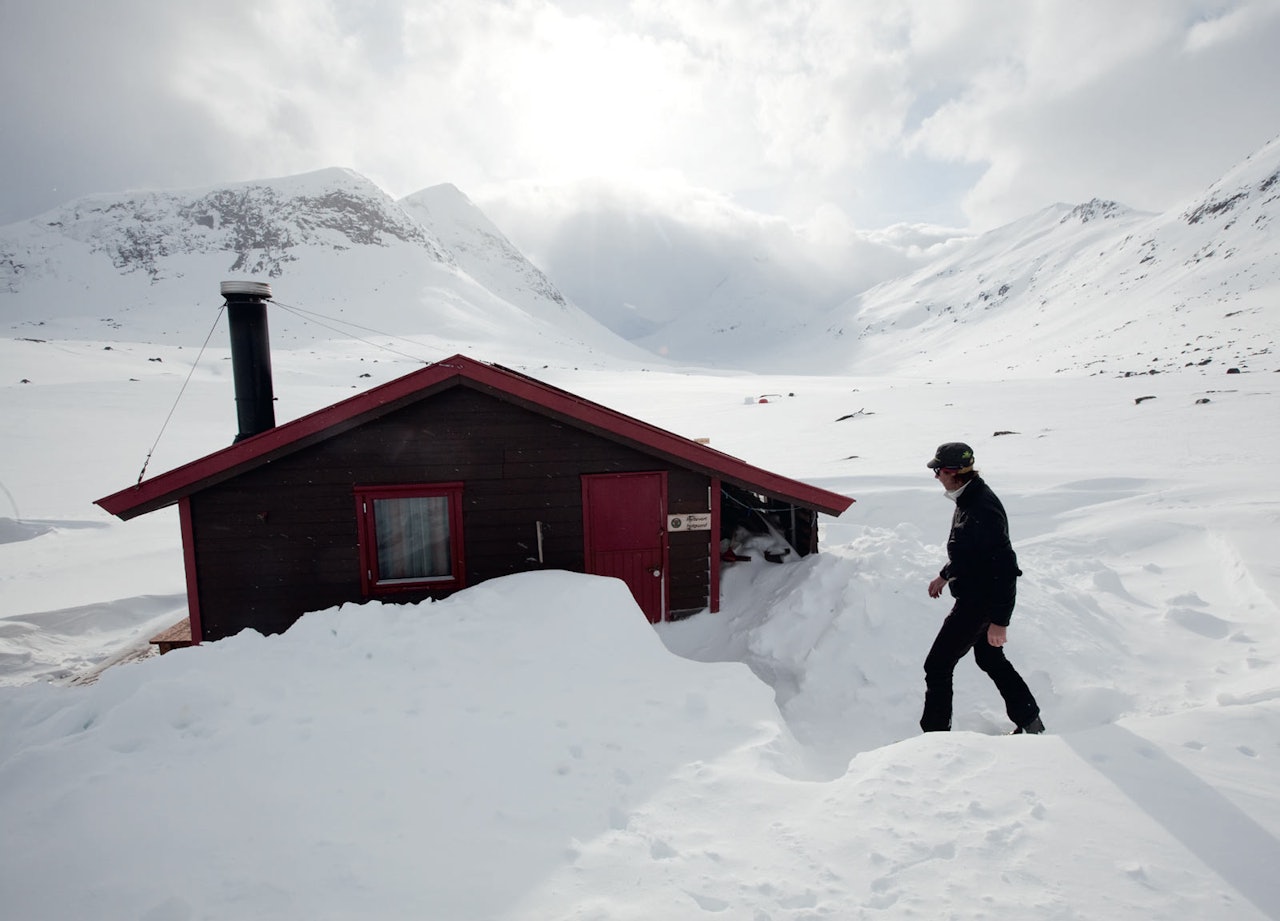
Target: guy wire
[(307, 316), (174, 408)]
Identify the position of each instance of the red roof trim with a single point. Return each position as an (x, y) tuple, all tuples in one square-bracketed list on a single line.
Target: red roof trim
[(166, 488)]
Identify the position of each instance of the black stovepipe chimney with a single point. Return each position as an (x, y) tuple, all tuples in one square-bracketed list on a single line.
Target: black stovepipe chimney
[(250, 355)]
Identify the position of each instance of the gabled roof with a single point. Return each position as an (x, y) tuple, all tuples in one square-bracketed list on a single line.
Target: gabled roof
[(167, 488)]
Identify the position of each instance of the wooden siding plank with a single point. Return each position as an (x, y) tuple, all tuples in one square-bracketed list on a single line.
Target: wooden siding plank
[(281, 539)]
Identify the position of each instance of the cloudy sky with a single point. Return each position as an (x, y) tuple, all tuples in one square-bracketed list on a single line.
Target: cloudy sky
[(957, 113)]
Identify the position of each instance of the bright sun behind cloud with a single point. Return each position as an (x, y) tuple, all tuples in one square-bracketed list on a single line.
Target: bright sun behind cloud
[(590, 101)]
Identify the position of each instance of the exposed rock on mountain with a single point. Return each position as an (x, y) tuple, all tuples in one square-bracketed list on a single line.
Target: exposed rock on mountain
[(344, 258), (1194, 287), (1096, 210), (258, 225), (1250, 190)]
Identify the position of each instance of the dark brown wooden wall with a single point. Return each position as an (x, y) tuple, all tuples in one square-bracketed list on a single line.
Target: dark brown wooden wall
[(281, 540)]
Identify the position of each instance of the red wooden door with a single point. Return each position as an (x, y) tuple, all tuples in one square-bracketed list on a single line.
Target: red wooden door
[(625, 524)]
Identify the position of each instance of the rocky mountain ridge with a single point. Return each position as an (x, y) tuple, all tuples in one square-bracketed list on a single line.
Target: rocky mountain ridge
[(1192, 287), (143, 266), (259, 224)]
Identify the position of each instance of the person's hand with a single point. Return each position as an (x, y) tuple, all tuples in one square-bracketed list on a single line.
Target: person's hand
[(936, 587), (997, 635)]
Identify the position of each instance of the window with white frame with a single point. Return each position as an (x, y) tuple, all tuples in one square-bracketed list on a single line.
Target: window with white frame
[(410, 537)]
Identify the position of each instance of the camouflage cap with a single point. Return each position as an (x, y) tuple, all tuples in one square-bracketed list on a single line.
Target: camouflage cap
[(954, 455)]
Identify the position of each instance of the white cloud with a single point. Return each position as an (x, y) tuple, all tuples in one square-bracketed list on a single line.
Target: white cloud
[(1226, 25), (782, 106), (1112, 105)]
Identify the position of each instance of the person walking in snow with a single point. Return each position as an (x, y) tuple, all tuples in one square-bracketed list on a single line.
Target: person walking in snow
[(982, 573)]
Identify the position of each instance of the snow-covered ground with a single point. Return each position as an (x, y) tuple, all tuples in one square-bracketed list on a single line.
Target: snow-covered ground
[(532, 749)]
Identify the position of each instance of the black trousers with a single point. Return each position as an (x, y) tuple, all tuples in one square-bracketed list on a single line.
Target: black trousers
[(966, 628)]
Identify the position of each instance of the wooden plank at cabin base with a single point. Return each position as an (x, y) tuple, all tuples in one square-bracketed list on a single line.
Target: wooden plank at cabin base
[(174, 637)]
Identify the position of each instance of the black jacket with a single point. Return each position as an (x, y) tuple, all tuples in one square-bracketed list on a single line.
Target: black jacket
[(981, 565)]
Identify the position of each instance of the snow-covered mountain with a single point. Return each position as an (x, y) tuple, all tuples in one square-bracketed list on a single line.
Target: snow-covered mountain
[(483, 252), (344, 259), (1198, 284)]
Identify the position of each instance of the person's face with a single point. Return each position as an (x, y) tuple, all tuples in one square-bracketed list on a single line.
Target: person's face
[(949, 478)]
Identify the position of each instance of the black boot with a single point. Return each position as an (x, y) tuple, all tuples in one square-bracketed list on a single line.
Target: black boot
[(1034, 728)]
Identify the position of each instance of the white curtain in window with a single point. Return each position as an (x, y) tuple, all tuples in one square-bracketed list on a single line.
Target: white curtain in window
[(413, 538)]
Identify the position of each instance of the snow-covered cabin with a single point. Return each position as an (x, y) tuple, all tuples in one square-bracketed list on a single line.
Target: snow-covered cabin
[(456, 473)]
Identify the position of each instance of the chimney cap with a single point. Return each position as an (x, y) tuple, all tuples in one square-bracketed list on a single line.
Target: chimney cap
[(251, 288)]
